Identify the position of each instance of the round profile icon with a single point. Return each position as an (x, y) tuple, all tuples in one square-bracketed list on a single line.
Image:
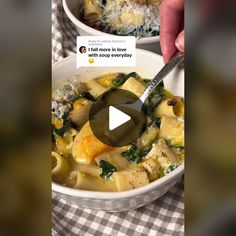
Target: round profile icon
[(82, 49)]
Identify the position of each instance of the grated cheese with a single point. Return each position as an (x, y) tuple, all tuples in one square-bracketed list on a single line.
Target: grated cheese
[(62, 97), (130, 18)]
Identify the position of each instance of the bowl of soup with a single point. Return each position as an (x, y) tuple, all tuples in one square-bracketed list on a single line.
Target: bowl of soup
[(92, 174), (123, 18)]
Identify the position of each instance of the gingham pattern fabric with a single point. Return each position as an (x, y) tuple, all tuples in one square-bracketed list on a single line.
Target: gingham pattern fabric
[(164, 216), (64, 33)]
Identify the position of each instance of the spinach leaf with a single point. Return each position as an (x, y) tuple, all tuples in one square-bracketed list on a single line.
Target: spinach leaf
[(145, 82), (149, 108), (64, 128), (132, 74), (87, 95), (117, 82), (154, 99), (170, 168), (159, 88), (134, 154), (180, 148), (103, 2), (131, 154), (122, 78), (157, 121), (107, 169), (154, 120)]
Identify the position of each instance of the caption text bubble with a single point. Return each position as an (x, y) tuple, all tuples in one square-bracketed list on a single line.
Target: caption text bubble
[(106, 51)]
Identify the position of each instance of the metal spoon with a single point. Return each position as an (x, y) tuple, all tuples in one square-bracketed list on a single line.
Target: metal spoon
[(166, 69), (135, 110)]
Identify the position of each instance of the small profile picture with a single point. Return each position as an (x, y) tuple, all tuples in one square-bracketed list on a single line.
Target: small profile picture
[(82, 49)]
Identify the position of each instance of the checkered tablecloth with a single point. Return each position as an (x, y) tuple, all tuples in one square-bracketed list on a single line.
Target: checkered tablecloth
[(164, 216)]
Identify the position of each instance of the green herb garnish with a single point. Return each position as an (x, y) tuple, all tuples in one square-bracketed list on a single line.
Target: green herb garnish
[(154, 99), (159, 88), (66, 125), (170, 168), (154, 120), (157, 121), (134, 154), (180, 148), (107, 169), (63, 129), (117, 82), (122, 78)]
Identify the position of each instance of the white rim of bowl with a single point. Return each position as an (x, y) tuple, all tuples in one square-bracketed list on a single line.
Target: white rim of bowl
[(94, 32), (179, 171)]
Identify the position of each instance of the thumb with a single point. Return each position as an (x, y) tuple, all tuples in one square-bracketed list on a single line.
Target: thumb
[(179, 42)]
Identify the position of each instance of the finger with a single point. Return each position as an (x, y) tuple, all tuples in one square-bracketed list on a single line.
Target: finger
[(179, 42), (171, 14)]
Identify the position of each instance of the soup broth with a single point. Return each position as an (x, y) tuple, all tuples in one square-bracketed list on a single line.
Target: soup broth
[(80, 160)]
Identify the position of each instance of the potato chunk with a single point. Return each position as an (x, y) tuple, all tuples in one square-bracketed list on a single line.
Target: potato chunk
[(85, 150), (172, 129), (148, 137), (179, 108), (164, 109), (133, 86), (106, 80), (64, 143), (86, 146), (130, 179), (95, 88), (162, 153), (152, 166), (172, 107), (80, 113), (57, 122)]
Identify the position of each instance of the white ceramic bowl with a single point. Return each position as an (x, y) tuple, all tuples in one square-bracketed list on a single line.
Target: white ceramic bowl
[(147, 65), (72, 7)]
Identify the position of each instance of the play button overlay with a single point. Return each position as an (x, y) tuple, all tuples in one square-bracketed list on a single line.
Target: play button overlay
[(115, 120)]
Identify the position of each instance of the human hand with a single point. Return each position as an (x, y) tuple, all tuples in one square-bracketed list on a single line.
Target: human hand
[(171, 28)]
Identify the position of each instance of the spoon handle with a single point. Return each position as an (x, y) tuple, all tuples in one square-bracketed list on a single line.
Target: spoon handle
[(166, 69)]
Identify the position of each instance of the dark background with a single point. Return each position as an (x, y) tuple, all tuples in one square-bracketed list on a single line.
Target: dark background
[(210, 72), (25, 140)]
